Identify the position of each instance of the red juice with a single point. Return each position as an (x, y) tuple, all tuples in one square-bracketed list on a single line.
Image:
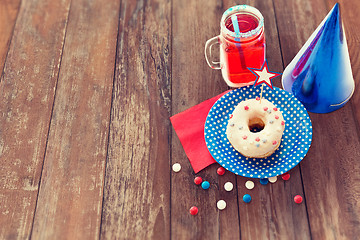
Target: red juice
[(237, 54)]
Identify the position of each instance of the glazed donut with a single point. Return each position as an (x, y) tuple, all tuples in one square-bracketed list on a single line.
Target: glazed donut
[(250, 115)]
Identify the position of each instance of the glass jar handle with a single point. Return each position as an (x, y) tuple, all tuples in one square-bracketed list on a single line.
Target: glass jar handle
[(208, 45)]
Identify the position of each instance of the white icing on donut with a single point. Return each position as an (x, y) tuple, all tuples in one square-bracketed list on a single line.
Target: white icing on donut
[(255, 112)]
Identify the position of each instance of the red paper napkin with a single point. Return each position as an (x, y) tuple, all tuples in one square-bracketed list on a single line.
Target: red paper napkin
[(189, 126)]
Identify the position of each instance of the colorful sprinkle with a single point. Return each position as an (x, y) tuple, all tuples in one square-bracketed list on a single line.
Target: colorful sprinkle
[(275, 109), (257, 98), (220, 171), (176, 167), (298, 199), (246, 108), (264, 141), (232, 124), (271, 121), (265, 109), (205, 185), (273, 179), (194, 210), (264, 181), (249, 185), (269, 111), (257, 139), (247, 198), (228, 186), (285, 176), (274, 142), (282, 123), (276, 117), (198, 180), (257, 145), (221, 204), (231, 116), (241, 127), (244, 137)]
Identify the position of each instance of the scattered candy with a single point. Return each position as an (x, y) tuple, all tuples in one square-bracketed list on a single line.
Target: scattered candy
[(274, 142), (282, 123), (264, 141), (205, 185), (257, 98), (249, 185), (272, 179), (198, 180), (232, 124), (221, 204), (176, 167), (247, 198), (194, 210), (257, 145), (257, 139), (285, 176), (275, 109), (244, 137), (246, 108), (271, 121), (298, 199), (220, 171), (228, 186), (264, 181), (265, 109), (231, 116), (276, 117)]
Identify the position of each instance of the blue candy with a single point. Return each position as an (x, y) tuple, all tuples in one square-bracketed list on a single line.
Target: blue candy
[(264, 181), (205, 185), (247, 198)]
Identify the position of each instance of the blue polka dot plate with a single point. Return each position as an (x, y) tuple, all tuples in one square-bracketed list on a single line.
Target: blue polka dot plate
[(295, 142)]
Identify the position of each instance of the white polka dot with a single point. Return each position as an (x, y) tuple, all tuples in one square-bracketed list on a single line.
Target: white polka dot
[(221, 204)]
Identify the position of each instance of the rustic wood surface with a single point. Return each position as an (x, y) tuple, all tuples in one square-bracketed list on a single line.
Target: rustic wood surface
[(86, 145)]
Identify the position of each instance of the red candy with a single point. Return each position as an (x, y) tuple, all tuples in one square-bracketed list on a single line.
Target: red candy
[(244, 137), (194, 210), (282, 123), (257, 139), (274, 142), (275, 109), (298, 199), (231, 116), (221, 171), (246, 108), (198, 180), (285, 176), (265, 109), (257, 98), (276, 117)]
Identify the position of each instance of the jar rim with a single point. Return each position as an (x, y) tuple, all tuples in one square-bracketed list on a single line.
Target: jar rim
[(242, 9)]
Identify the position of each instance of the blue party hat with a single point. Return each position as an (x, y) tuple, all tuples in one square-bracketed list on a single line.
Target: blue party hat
[(320, 74)]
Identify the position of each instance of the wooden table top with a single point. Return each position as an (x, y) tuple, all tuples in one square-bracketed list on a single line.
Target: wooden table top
[(86, 144)]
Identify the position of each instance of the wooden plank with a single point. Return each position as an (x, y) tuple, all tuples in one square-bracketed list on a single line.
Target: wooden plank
[(137, 181), (71, 190), (194, 22), (331, 170), (27, 90), (272, 213), (8, 13)]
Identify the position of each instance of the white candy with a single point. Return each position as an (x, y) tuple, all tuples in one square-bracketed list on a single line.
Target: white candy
[(272, 179), (176, 167), (221, 204), (249, 185), (228, 186)]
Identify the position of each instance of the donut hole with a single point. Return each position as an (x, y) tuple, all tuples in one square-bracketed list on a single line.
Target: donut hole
[(256, 124)]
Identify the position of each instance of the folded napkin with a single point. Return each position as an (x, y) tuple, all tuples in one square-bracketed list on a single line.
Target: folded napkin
[(189, 126)]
